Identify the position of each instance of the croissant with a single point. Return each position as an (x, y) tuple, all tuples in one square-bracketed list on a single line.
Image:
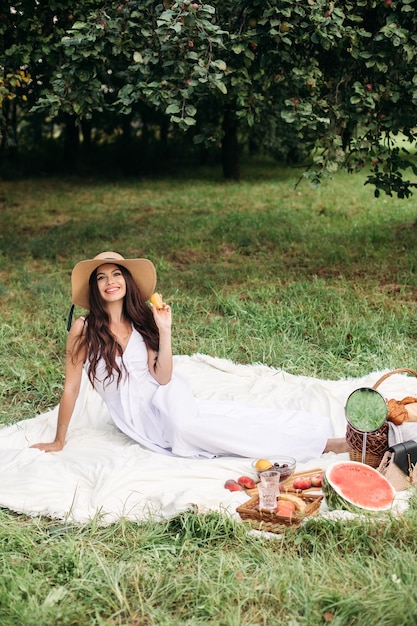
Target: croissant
[(397, 413)]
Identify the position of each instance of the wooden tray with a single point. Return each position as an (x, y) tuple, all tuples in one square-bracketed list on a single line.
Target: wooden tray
[(287, 485), (272, 522)]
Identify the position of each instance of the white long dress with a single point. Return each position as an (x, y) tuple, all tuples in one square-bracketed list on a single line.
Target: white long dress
[(170, 420)]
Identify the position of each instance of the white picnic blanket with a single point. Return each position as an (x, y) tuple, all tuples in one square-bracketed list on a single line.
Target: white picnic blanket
[(102, 472)]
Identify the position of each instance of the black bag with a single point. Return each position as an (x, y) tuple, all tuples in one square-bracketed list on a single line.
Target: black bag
[(399, 465)]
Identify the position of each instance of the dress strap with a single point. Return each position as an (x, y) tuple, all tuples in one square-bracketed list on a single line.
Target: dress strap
[(69, 320)]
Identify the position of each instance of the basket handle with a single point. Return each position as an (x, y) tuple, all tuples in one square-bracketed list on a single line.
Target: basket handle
[(397, 371)]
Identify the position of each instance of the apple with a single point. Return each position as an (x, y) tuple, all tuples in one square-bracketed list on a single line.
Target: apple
[(302, 482), (246, 481), (317, 480), (232, 485)]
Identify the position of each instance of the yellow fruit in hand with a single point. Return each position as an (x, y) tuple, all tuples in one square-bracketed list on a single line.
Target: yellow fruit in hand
[(156, 300), (263, 464)]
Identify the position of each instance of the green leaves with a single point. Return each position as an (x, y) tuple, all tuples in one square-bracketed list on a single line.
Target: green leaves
[(173, 108), (183, 116), (294, 69), (387, 173)]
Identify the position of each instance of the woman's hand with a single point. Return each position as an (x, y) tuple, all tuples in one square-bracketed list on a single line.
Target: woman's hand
[(162, 317), (160, 363), (54, 446)]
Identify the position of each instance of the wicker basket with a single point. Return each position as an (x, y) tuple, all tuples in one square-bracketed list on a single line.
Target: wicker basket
[(377, 442), (270, 521)]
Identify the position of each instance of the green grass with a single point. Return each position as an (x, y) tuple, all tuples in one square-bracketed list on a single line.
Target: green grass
[(318, 282), (205, 569)]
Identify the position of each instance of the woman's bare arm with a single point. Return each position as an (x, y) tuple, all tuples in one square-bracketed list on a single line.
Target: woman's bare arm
[(160, 363), (73, 372)]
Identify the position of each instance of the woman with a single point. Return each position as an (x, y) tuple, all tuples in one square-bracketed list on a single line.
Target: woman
[(124, 346)]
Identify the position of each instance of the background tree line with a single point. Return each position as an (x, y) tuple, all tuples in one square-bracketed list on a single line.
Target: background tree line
[(135, 85)]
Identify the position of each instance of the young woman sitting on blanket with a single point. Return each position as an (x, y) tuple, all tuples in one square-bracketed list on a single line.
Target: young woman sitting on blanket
[(124, 347)]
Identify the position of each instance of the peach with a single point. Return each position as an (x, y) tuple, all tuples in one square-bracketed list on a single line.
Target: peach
[(302, 482), (317, 480), (232, 485), (246, 481), (285, 504), (285, 509)]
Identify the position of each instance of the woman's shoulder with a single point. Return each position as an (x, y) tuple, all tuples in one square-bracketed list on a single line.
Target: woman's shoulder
[(78, 326)]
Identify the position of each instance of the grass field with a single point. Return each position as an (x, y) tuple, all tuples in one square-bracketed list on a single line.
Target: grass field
[(319, 282)]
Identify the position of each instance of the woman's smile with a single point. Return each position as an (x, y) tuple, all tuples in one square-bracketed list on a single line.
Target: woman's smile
[(112, 289)]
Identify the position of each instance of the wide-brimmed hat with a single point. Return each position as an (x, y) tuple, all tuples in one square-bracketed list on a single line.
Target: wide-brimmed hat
[(142, 270)]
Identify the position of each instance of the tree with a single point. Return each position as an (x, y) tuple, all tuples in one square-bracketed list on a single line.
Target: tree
[(30, 52), (340, 75), (336, 78)]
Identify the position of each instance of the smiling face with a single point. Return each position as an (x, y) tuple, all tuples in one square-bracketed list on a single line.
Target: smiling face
[(111, 283)]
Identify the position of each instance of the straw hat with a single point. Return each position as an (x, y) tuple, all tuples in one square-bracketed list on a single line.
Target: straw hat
[(142, 270)]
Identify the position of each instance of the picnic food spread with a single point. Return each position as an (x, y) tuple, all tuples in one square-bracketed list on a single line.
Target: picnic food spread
[(347, 485), (294, 500)]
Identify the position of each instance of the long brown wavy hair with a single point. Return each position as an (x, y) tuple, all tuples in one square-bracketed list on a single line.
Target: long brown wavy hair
[(97, 338)]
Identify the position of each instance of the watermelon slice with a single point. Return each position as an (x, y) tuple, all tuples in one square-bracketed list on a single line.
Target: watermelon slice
[(357, 487)]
